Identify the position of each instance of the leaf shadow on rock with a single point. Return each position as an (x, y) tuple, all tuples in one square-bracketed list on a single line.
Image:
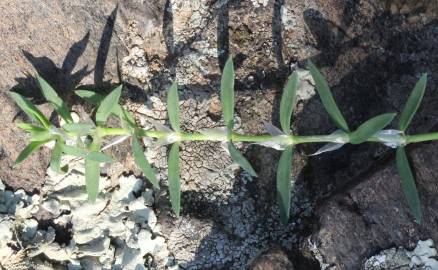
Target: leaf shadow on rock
[(65, 79)]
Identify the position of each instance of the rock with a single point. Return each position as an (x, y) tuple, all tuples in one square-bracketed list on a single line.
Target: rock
[(374, 215), (30, 174), (274, 259), (69, 43), (423, 257)]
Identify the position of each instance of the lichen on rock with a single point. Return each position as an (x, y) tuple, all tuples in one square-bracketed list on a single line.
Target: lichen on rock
[(422, 257)]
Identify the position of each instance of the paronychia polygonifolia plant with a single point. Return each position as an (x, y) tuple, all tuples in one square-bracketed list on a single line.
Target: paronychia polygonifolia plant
[(87, 138)]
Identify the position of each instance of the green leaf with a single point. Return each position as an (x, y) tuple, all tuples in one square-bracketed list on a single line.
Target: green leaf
[(173, 107), (227, 94), (73, 151), (288, 101), (30, 128), (143, 163), (92, 176), (371, 127), (107, 105), (413, 103), (44, 135), (128, 118), (99, 157), (95, 99), (90, 96), (284, 186), (32, 147), (55, 160), (173, 176), (237, 157), (408, 184), (30, 109), (78, 128), (52, 97), (327, 98)]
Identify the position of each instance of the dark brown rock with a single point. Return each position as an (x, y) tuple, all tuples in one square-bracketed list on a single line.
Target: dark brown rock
[(374, 215), (274, 259)]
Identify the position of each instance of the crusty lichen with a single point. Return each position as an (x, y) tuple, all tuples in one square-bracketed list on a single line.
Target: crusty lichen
[(423, 257)]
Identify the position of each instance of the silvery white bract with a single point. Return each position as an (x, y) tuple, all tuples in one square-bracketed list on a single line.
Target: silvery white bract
[(272, 130), (115, 141), (280, 139), (328, 148), (55, 131), (391, 137), (171, 138), (339, 139)]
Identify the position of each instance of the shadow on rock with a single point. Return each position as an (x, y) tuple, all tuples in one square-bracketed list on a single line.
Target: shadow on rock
[(65, 79)]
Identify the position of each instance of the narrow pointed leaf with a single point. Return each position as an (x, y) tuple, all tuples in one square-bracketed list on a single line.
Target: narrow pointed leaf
[(143, 163), (128, 118), (32, 147), (95, 99), (107, 105), (73, 151), (413, 103), (227, 93), (371, 127), (92, 176), (284, 183), (30, 109), (174, 181), (55, 160), (408, 184), (288, 101), (78, 128), (173, 106), (90, 96), (30, 128), (99, 157), (237, 157), (327, 98), (40, 136), (52, 97)]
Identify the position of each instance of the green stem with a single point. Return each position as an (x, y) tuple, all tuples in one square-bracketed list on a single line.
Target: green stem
[(236, 137), (421, 137)]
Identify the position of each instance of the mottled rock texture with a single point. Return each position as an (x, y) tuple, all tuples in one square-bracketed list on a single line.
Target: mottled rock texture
[(372, 70), (371, 52), (273, 259)]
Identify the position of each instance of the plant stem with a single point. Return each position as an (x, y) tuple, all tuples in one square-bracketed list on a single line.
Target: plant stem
[(421, 137), (237, 137)]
